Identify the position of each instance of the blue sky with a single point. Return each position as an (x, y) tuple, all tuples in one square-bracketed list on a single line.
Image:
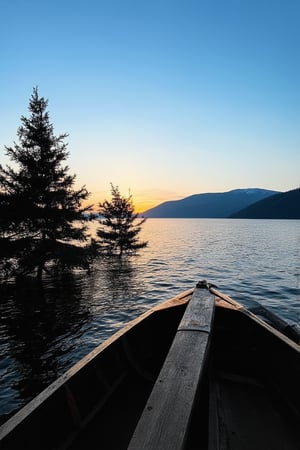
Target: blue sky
[(165, 98)]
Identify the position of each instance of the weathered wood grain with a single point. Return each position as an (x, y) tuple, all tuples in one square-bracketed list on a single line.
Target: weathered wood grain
[(165, 419)]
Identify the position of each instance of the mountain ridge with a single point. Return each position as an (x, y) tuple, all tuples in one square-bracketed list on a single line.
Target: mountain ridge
[(209, 205)]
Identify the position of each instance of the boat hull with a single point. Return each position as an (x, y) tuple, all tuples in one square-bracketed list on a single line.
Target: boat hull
[(248, 397)]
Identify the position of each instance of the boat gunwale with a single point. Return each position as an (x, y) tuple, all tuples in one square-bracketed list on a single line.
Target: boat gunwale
[(233, 304)]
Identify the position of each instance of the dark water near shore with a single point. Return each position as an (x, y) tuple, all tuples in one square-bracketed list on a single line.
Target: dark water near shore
[(42, 333)]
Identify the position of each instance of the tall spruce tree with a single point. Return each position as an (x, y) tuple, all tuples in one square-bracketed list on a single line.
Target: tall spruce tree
[(118, 233), (42, 220)]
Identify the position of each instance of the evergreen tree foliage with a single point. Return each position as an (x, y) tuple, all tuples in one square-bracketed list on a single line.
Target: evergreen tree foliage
[(42, 220), (118, 234)]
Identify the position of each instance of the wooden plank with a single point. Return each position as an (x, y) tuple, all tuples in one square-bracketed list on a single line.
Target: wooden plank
[(199, 312), (165, 419)]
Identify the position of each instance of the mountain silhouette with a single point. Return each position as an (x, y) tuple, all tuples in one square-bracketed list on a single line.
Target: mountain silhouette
[(284, 205), (209, 205)]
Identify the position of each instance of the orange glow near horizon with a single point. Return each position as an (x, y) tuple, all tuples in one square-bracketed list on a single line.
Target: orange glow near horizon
[(142, 200), (139, 205), (144, 205)]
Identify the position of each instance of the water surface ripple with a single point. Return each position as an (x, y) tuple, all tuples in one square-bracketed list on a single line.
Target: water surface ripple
[(44, 333)]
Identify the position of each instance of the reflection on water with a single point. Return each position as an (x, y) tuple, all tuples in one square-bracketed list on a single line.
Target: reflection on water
[(42, 328), (38, 327), (43, 332)]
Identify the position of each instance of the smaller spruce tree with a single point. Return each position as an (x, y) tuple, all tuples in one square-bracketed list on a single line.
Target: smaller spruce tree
[(118, 233)]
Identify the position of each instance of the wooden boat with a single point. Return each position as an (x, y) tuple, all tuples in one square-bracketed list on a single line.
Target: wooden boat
[(197, 372)]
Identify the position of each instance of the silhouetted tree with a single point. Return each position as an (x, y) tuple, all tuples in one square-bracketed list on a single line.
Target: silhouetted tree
[(120, 226), (42, 221)]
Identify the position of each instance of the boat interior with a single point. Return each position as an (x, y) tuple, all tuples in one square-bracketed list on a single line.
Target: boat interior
[(248, 397)]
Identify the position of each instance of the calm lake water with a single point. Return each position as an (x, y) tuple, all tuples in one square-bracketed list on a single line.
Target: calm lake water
[(44, 332)]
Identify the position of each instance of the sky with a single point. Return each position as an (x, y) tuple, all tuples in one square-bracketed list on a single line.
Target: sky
[(162, 98)]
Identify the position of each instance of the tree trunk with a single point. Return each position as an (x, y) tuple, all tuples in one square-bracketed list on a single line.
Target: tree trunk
[(40, 269)]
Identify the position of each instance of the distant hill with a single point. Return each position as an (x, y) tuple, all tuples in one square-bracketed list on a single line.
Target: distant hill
[(210, 205), (284, 205)]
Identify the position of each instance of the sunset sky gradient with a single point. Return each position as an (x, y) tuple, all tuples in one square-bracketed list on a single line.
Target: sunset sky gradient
[(163, 98)]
